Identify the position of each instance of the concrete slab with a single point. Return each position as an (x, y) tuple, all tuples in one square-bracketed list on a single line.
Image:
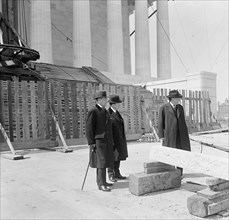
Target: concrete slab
[(47, 185)]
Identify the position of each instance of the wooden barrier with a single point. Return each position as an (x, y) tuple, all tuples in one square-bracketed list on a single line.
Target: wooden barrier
[(25, 109), (26, 116)]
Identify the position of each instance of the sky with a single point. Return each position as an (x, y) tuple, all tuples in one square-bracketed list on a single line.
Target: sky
[(199, 40)]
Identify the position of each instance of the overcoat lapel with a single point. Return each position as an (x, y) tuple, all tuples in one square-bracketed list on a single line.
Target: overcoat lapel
[(117, 117), (101, 110), (171, 109)]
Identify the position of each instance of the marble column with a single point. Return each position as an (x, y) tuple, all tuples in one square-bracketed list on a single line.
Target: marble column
[(163, 43), (1, 33), (126, 37), (41, 32), (1, 6), (115, 37), (142, 44), (81, 34)]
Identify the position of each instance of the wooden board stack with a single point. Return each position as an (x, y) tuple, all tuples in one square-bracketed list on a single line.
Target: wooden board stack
[(156, 176), (213, 200)]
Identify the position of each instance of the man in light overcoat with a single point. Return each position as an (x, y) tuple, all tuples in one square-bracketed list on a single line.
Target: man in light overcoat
[(172, 128)]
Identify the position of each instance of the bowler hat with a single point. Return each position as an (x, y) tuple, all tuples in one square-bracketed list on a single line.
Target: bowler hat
[(174, 94), (113, 99), (100, 94)]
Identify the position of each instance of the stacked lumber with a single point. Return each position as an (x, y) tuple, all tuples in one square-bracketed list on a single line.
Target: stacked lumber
[(148, 137), (213, 200), (157, 176)]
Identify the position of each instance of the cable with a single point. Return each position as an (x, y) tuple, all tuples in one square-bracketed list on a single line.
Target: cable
[(219, 53), (171, 43), (184, 34), (209, 54)]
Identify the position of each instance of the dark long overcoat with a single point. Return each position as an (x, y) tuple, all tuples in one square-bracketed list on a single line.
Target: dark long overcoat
[(119, 135), (168, 125), (99, 132)]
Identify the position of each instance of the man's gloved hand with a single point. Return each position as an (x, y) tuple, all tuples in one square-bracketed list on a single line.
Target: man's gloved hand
[(93, 147)]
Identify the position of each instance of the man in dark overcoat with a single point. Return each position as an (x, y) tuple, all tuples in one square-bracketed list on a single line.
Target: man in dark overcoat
[(119, 137), (172, 128), (100, 140)]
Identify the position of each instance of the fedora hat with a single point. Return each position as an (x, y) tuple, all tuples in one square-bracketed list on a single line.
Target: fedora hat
[(113, 99), (100, 94), (174, 94)]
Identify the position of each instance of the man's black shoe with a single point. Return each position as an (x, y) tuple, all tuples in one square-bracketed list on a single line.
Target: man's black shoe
[(120, 177), (112, 179), (104, 188), (109, 184)]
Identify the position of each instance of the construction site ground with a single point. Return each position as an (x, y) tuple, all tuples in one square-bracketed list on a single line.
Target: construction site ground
[(47, 185)]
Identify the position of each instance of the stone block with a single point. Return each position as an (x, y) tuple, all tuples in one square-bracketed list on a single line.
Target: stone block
[(212, 195), (157, 167), (202, 207), (154, 164), (142, 183)]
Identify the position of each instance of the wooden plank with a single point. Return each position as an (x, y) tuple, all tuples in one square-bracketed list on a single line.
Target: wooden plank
[(126, 109), (190, 106), (17, 109), (204, 107), (33, 110), (202, 207), (197, 108), (47, 110), (10, 107), (89, 96), (219, 187), (200, 107), (211, 181), (139, 108), (66, 111), (85, 109), (80, 109), (131, 106), (183, 101), (209, 108), (200, 163), (209, 194), (74, 111), (52, 105), (59, 104), (40, 110), (31, 144), (25, 111)]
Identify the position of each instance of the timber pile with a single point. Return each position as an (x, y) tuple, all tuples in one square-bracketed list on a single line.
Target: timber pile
[(157, 176), (213, 200), (148, 137)]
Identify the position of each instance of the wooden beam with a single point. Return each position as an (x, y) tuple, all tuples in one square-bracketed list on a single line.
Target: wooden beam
[(200, 163)]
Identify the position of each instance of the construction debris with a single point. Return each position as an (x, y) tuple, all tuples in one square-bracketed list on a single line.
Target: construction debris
[(208, 202)]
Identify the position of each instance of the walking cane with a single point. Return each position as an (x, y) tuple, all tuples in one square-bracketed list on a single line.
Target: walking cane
[(87, 169)]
